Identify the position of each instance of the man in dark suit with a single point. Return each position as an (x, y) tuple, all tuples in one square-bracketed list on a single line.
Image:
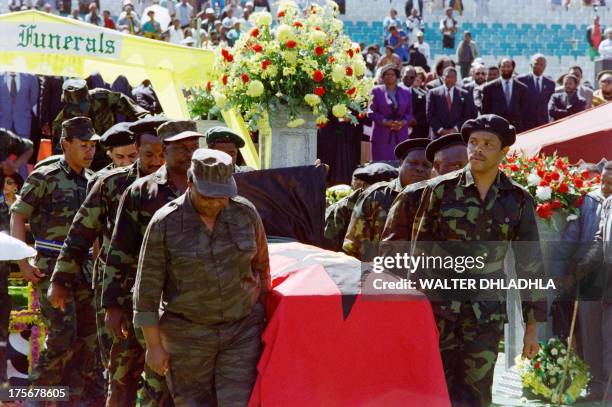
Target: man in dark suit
[(415, 58), (474, 87), (421, 126), (566, 102), (506, 96), (440, 66), (539, 91), (448, 107)]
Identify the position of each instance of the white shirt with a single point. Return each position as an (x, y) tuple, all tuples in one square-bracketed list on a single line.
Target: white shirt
[(447, 24), (9, 79), (176, 35), (504, 86), (424, 49), (605, 49)]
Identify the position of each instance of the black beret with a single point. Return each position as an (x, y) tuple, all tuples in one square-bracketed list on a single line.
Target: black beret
[(117, 136), (220, 134), (375, 172), (491, 123), (148, 124), (441, 143), (403, 148)]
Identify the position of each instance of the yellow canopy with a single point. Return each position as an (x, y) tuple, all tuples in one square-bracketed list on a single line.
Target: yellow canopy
[(47, 44)]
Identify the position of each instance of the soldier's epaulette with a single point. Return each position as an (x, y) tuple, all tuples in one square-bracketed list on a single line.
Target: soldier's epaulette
[(243, 201), (48, 169), (167, 209), (106, 174), (440, 179)]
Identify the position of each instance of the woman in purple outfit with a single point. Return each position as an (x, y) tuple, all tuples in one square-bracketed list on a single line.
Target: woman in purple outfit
[(391, 114)]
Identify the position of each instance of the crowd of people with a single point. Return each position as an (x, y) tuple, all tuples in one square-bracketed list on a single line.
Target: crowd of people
[(160, 212)]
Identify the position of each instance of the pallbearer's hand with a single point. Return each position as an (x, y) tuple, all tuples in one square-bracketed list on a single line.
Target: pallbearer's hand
[(57, 295), (157, 359), (116, 322), (530, 341)]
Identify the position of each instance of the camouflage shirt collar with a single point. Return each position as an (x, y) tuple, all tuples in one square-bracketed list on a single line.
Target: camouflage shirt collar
[(161, 175), (135, 169), (396, 185), (63, 164), (191, 218), (501, 181)]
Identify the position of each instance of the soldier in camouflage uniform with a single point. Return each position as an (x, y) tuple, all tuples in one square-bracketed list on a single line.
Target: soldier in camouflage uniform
[(226, 140), (448, 153), (370, 213), (138, 204), (479, 204), (96, 217), (205, 256), (49, 200), (338, 215), (10, 144), (100, 105)]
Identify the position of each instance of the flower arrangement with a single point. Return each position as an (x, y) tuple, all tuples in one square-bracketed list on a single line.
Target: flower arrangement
[(542, 375), (201, 104), (552, 181), (304, 64), (336, 193)]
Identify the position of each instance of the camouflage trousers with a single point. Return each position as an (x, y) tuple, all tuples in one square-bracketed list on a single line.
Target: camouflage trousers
[(469, 352), (127, 363), (68, 356), (212, 366), (105, 339), (5, 314)]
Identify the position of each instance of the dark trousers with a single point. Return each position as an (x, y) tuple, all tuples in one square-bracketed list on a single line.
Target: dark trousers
[(5, 313), (448, 41)]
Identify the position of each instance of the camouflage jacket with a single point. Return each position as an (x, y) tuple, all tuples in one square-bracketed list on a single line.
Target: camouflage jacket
[(104, 105), (205, 277), (138, 205), (95, 219), (452, 211), (100, 174), (50, 198), (368, 219), (337, 218)]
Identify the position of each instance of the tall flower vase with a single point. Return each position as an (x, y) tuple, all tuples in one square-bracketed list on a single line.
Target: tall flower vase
[(282, 146), (550, 236)]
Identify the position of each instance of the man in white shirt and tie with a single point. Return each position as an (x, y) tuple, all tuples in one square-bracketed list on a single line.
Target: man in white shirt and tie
[(539, 90)]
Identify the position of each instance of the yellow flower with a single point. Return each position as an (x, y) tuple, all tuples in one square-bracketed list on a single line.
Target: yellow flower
[(338, 73), (312, 99), (337, 25), (287, 71), (359, 68), (295, 123), (290, 57), (318, 37), (255, 89), (261, 18), (339, 111), (284, 33), (220, 99), (315, 21), (321, 119)]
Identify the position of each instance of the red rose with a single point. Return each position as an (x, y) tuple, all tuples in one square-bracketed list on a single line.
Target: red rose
[(319, 91), (556, 204), (244, 77), (585, 174), (358, 50), (318, 28), (349, 71), (226, 55), (555, 176), (351, 91), (291, 44), (224, 79), (208, 86), (350, 53), (298, 24), (544, 211), (540, 173), (537, 365), (319, 51), (579, 202), (543, 183), (547, 177), (265, 64), (563, 188), (361, 116), (255, 32), (559, 163), (510, 160), (578, 182), (257, 48), (280, 14), (317, 76), (514, 168), (321, 125), (331, 60)]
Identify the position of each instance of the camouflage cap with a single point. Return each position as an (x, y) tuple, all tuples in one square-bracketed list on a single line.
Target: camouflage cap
[(212, 173), (75, 92), (117, 136), (148, 124), (175, 130), (80, 128), (221, 134)]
